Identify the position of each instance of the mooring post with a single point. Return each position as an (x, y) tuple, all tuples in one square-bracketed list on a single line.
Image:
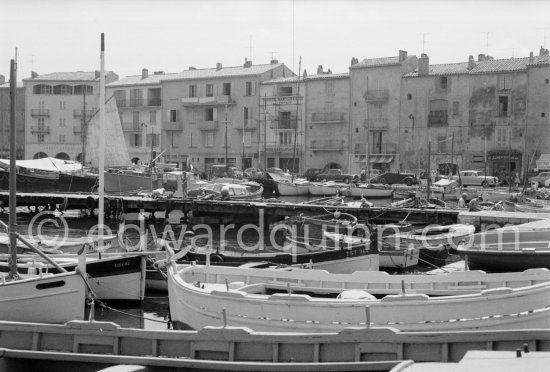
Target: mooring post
[(224, 315), (367, 313)]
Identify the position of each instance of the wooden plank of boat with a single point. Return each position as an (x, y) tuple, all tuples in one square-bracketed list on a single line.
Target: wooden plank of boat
[(503, 308), (241, 345)]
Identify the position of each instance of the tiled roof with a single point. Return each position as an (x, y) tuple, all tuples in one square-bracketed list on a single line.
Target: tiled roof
[(68, 76), (152, 79), (484, 67), (377, 62), (212, 73), (294, 79)]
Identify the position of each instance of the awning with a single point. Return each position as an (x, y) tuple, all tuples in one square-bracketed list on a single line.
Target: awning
[(381, 159)]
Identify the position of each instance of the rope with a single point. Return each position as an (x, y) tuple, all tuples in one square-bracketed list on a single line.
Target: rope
[(103, 305)]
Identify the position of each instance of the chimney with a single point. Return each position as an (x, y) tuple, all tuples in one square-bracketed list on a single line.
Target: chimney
[(34, 74), (354, 61), (274, 61), (319, 69), (247, 63), (144, 73), (96, 74), (304, 74), (481, 57), (159, 72), (531, 58), (423, 65), (192, 68), (218, 66), (2, 79), (471, 63), (402, 55)]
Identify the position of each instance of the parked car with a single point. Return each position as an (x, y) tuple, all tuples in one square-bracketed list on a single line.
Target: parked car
[(541, 178), (336, 175), (312, 173), (388, 178), (475, 178)]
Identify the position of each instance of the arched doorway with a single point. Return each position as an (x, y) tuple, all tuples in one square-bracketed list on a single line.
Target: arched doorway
[(40, 155), (62, 156), (79, 158), (136, 160)]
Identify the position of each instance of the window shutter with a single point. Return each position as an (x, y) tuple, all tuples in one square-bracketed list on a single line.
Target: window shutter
[(215, 113)]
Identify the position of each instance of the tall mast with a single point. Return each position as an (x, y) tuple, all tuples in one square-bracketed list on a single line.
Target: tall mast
[(297, 115), (84, 129), (101, 158), (12, 260), (367, 147)]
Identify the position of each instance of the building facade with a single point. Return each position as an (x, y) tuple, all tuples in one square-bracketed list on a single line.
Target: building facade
[(210, 115), (486, 114), (57, 107), (139, 103), (5, 120), (375, 92)]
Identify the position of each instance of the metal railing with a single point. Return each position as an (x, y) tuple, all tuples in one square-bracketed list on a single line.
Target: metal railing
[(327, 145), (377, 95), (40, 129), (40, 112)]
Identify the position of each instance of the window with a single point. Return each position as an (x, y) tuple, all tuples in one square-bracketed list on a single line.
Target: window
[(546, 81), (443, 83), (42, 89), (40, 138), (271, 161), (248, 88), (61, 138), (503, 109), (62, 89), (62, 105), (136, 97), (376, 147), (208, 139), (135, 118), (135, 139), (209, 114), (542, 114), (409, 96), (245, 115), (209, 90), (438, 112), (153, 97), (226, 139), (285, 91), (192, 91), (84, 89), (120, 117), (154, 137), (247, 139), (286, 120), (153, 116), (502, 137), (505, 82), (455, 108), (173, 116), (41, 123), (442, 144), (285, 138), (62, 123), (120, 97), (226, 89), (329, 87), (377, 111)]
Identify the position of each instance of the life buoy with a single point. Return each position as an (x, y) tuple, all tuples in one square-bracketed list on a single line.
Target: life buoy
[(90, 203)]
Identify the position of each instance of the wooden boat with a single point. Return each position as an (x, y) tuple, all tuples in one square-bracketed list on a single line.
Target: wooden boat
[(293, 188), (328, 188), (496, 196), (369, 190), (31, 181), (229, 191), (434, 242), (57, 244), (82, 345), (445, 189), (526, 208), (73, 182), (110, 278), (197, 298), (506, 249)]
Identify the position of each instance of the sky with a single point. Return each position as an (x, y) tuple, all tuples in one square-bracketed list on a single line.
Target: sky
[(172, 35)]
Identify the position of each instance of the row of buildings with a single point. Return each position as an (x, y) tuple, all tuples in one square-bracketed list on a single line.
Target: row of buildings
[(385, 111)]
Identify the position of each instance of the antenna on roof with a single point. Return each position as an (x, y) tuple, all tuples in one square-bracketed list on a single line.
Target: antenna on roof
[(424, 42), (250, 47), (544, 39), (272, 53), (487, 45)]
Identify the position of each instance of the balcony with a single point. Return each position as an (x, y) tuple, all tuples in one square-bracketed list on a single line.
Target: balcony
[(327, 145), (377, 95), (77, 130), (136, 102), (208, 101), (377, 123), (208, 126), (131, 127), (173, 126), (286, 123), (438, 118), (328, 117), (40, 130), (246, 125), (79, 113), (40, 112), (284, 149), (153, 102), (121, 103)]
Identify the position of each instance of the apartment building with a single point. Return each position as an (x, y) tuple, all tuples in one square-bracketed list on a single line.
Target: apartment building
[(57, 106), (375, 92), (5, 119), (485, 113), (210, 115), (139, 103)]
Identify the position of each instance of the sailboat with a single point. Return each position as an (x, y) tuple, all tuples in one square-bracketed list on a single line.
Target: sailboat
[(54, 298)]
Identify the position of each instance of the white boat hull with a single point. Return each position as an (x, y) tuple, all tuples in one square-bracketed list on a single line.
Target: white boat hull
[(502, 308), (292, 189), (316, 189), (371, 191), (56, 298)]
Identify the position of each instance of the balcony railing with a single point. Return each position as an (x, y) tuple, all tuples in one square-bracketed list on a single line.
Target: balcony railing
[(40, 112), (208, 125), (438, 118), (287, 149), (208, 101), (79, 113), (377, 95), (327, 145), (136, 102), (131, 127), (121, 102), (376, 123), (328, 117), (153, 102), (173, 126), (40, 130), (283, 99), (283, 123)]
